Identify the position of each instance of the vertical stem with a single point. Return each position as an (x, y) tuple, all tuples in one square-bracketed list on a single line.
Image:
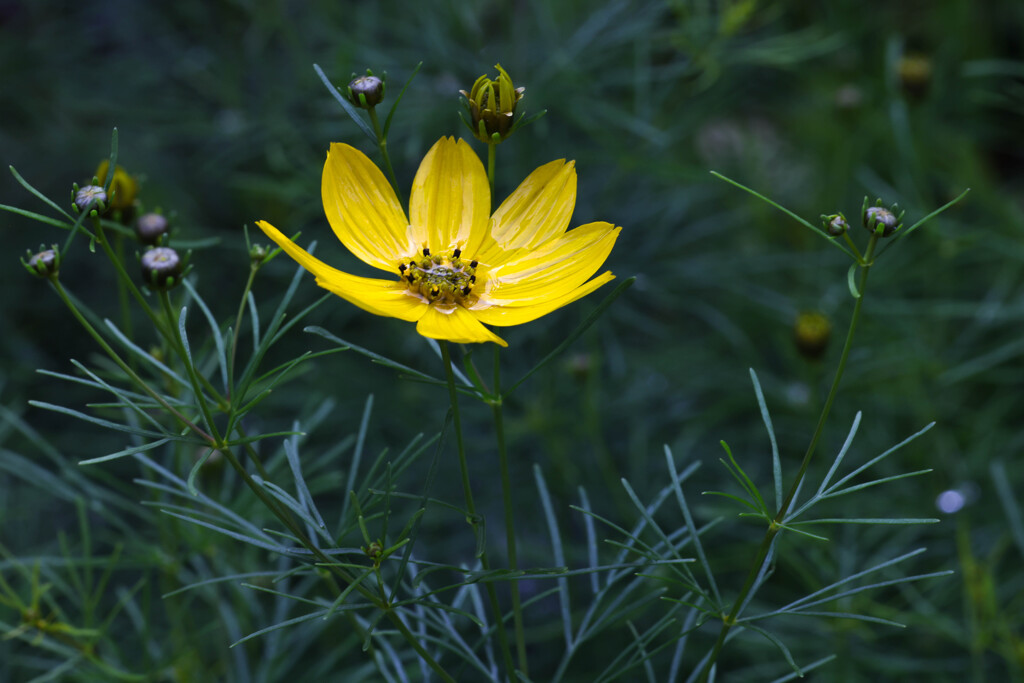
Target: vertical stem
[(491, 154), (510, 526), (775, 527), (139, 382), (122, 293), (382, 145), (472, 517)]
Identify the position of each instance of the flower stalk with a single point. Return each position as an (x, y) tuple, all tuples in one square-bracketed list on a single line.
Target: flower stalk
[(510, 519), (471, 515), (776, 524)]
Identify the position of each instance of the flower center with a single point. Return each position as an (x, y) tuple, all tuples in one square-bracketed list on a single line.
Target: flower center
[(439, 278)]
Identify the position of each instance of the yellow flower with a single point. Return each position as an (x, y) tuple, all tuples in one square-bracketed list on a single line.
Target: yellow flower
[(123, 187), (454, 267)]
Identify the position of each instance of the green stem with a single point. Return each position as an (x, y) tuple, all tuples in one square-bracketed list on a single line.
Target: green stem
[(382, 145), (510, 526), (238, 327), (126, 281), (471, 515), (776, 524), (124, 366), (194, 376), (122, 290), (491, 154), (264, 497)]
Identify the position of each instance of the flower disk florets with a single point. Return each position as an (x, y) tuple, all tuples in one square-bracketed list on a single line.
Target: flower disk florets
[(440, 279)]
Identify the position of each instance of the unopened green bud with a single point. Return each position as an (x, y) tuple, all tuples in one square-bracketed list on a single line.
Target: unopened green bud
[(880, 220), (810, 334), (491, 104), (91, 197), (161, 267), (258, 254), (835, 224), (366, 91), (44, 263), (151, 227)]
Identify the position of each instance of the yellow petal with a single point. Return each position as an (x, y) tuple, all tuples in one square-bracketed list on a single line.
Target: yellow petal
[(381, 297), (450, 199), (455, 324), (553, 269), (362, 209), (517, 315), (537, 211)]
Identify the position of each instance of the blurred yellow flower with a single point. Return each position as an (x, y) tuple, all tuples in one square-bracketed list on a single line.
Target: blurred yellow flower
[(123, 187), (456, 268)]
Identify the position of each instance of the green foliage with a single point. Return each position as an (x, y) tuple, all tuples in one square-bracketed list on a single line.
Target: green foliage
[(245, 479)]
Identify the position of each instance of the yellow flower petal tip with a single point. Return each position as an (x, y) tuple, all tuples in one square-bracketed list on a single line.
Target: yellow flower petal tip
[(454, 266)]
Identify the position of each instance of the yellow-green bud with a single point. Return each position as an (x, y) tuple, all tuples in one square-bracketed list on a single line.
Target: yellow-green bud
[(915, 73), (810, 334), (258, 254), (492, 106)]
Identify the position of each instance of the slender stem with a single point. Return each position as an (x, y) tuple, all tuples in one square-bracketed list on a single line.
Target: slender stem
[(126, 280), (122, 292), (510, 526), (471, 515), (238, 326), (775, 526), (124, 366), (190, 369), (382, 145), (491, 154)]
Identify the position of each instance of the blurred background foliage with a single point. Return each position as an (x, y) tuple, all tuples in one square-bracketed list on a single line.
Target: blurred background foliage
[(815, 105)]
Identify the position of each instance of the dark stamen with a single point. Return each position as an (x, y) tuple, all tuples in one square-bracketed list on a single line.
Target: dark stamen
[(401, 268), (472, 264), (426, 251), (472, 278), (467, 289), (457, 253)]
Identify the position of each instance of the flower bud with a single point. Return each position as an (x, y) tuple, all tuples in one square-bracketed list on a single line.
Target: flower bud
[(44, 263), (810, 334), (366, 91), (258, 254), (161, 267), (835, 224), (150, 228), (915, 72), (492, 106), (91, 197), (123, 187), (879, 219)]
